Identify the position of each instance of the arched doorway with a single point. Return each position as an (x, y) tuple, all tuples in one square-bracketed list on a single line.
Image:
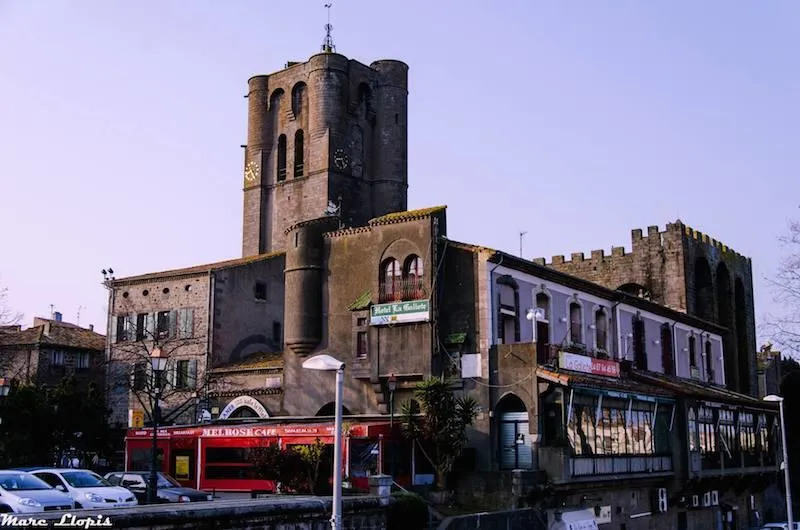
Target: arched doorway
[(514, 434), (329, 409)]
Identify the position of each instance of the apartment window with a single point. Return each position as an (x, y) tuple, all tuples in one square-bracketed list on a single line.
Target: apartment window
[(747, 438), (727, 438), (667, 350), (82, 361), (57, 358), (123, 327), (413, 271), (639, 344), (276, 332), (390, 288), (601, 330), (261, 291), (163, 324), (141, 326), (707, 434), (139, 376), (576, 323), (185, 374), (692, 352), (362, 349), (709, 363)]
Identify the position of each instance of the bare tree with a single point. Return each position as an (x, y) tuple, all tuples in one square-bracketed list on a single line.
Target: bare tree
[(7, 316), (785, 328)]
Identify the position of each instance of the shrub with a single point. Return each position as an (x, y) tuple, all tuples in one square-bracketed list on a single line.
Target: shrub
[(407, 511)]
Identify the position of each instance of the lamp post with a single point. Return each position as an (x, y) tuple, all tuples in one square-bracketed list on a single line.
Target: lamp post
[(158, 359), (779, 399), (534, 314), (326, 363), (392, 385)]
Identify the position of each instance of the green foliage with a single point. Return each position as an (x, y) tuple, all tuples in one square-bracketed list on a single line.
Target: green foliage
[(441, 424), (38, 423), (407, 511), (296, 468)]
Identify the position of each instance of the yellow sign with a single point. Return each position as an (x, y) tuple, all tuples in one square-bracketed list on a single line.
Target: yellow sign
[(137, 419), (182, 467)]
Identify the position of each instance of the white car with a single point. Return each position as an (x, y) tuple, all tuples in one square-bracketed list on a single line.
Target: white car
[(88, 489), (780, 526), (21, 492)]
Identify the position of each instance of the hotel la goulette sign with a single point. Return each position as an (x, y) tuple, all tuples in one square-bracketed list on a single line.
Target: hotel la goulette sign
[(587, 365), (400, 313)]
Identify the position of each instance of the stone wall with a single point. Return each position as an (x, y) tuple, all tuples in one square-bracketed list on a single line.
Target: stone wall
[(302, 513)]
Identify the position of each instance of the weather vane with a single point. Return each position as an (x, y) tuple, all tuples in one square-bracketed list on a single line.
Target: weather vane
[(327, 45)]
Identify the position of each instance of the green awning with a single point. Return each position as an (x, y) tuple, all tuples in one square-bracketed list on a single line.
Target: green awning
[(362, 302)]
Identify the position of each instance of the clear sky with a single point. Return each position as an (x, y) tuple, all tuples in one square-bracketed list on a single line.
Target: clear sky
[(121, 125)]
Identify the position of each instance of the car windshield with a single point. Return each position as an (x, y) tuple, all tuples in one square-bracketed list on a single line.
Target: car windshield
[(165, 481), (22, 482), (84, 479)]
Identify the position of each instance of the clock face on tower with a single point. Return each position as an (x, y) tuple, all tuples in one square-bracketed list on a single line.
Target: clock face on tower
[(340, 159), (251, 171)]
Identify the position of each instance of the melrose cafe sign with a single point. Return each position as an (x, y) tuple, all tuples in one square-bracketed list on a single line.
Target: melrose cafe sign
[(587, 365), (400, 313)]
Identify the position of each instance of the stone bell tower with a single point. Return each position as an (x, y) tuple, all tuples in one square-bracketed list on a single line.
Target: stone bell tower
[(326, 136)]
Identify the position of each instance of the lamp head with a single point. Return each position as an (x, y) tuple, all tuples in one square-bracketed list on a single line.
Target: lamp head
[(5, 386), (535, 314), (392, 383), (323, 362), (773, 398), (158, 358)]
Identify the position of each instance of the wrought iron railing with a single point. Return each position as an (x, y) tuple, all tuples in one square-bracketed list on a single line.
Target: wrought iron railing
[(404, 289), (613, 464)]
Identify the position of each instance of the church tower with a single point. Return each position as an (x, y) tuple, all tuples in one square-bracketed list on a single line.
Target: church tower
[(330, 132)]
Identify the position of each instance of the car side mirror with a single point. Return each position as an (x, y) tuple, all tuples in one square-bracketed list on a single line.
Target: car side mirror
[(127, 483), (60, 487)]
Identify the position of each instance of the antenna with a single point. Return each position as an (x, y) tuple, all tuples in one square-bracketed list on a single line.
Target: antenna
[(327, 44), (521, 235)]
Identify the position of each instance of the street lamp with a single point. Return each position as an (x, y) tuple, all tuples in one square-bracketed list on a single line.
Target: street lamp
[(779, 399), (158, 358), (392, 386), (534, 315), (326, 363)]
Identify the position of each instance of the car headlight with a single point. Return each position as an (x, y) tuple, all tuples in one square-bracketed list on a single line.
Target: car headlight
[(184, 498), (27, 501), (209, 497), (94, 497)]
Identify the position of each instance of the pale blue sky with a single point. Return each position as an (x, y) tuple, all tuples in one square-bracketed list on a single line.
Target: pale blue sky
[(121, 125)]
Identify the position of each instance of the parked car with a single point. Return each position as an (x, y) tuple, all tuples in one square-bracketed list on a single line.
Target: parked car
[(780, 526), (88, 489), (22, 492), (167, 489)]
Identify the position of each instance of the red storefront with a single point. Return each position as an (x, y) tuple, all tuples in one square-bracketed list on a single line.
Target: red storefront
[(216, 457)]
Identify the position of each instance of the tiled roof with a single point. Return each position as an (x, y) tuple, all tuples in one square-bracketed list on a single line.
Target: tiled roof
[(410, 215), (599, 382), (257, 361), (198, 269), (362, 302), (61, 334)]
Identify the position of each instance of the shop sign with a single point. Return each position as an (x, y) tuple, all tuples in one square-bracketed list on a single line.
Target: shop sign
[(587, 365), (400, 312)]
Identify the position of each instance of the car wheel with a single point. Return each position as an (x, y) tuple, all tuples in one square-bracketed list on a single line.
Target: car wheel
[(78, 506), (5, 509)]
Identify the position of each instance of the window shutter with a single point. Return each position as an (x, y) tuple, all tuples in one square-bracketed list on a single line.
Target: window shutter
[(151, 326), (114, 330), (130, 327), (173, 324), (192, 379), (189, 313)]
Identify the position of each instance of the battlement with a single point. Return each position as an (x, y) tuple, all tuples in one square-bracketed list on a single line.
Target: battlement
[(638, 237)]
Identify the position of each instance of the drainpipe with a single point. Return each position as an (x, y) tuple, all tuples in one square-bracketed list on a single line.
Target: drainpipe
[(210, 337), (492, 378)]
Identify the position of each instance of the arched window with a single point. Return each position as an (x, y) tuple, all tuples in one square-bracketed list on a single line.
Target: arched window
[(543, 303), (281, 157), (413, 271), (391, 276), (576, 323), (298, 153), (600, 330), (298, 92)]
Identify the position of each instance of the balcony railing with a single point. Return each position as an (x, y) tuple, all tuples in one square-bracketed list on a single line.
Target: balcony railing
[(401, 290), (616, 465)]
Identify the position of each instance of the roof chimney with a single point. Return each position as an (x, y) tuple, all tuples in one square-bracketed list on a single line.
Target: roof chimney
[(47, 325), (57, 316)]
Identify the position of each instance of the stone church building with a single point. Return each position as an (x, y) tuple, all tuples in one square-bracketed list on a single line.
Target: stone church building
[(589, 373)]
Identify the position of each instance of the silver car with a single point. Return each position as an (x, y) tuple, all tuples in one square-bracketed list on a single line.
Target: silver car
[(21, 492)]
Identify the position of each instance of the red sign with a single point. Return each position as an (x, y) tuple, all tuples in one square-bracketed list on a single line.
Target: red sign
[(588, 365)]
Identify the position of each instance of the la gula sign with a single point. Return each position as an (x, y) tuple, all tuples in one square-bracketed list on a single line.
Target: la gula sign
[(587, 365)]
